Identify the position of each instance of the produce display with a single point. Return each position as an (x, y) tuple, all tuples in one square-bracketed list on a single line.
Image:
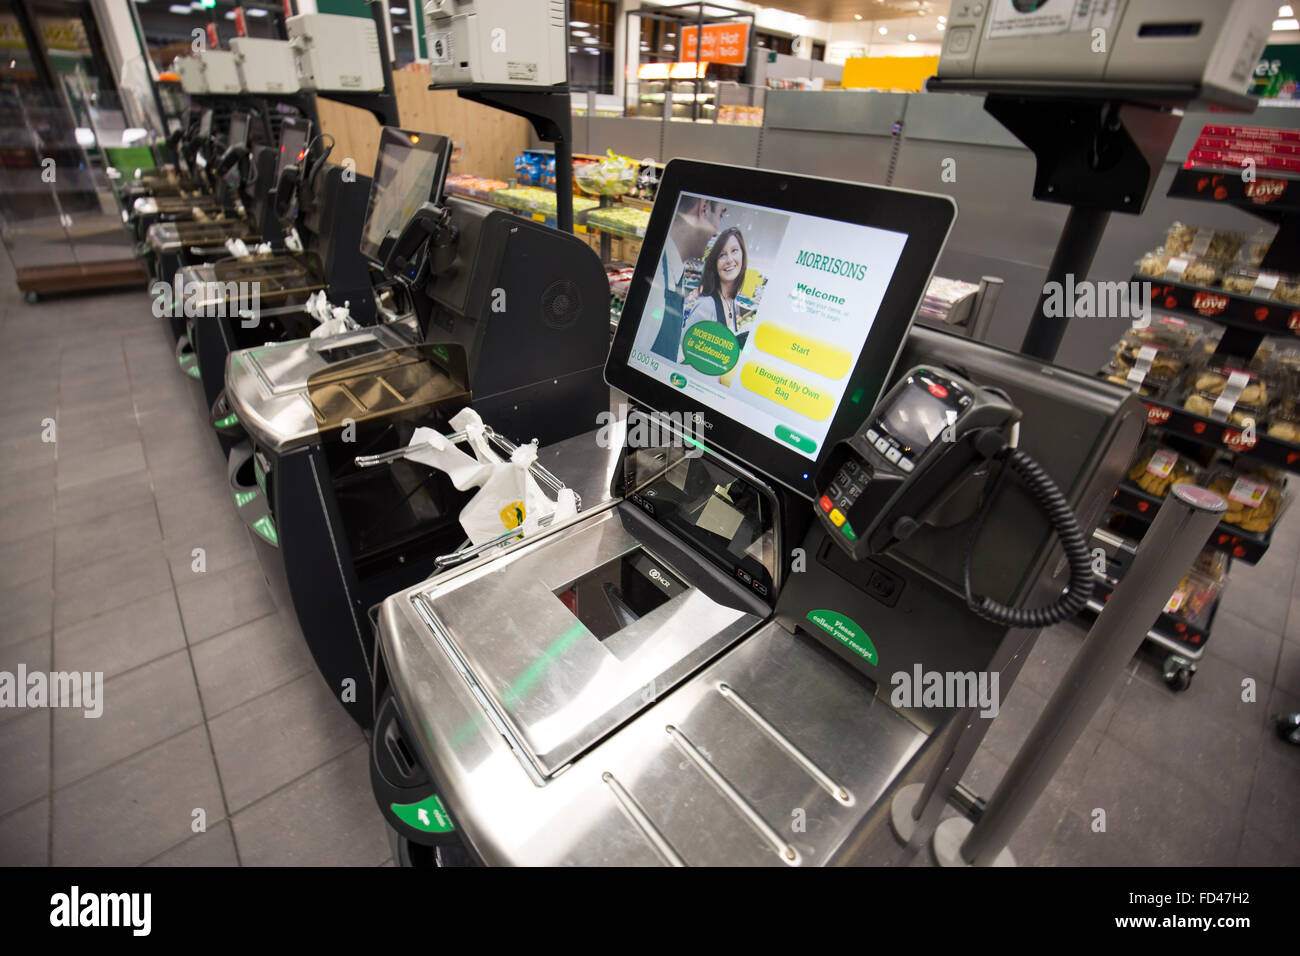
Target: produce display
[(477, 186), (533, 199), (612, 176), (625, 220)]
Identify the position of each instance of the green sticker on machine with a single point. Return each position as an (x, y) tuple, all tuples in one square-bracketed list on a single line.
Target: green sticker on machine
[(244, 497), (711, 348), (265, 527), (428, 815), (228, 421), (846, 631)]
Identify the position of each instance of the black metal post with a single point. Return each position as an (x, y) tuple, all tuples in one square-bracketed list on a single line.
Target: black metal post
[(1075, 251)]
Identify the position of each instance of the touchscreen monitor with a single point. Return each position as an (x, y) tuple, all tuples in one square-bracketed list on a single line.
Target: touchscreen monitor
[(294, 134), (769, 309), (409, 171)]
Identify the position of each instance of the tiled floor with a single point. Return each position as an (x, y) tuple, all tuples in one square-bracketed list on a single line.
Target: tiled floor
[(211, 708), (208, 705)]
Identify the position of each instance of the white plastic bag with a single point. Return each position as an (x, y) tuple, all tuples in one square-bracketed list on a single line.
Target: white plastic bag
[(508, 498)]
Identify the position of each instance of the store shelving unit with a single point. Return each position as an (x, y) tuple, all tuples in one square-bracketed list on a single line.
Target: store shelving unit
[(1247, 320)]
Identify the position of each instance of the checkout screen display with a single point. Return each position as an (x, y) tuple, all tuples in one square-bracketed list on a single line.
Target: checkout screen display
[(404, 180), (760, 314), (293, 144)]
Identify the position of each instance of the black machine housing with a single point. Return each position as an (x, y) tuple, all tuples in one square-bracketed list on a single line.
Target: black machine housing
[(530, 307)]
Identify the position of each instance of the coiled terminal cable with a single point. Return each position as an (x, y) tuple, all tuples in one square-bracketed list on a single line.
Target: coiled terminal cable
[(1054, 504)]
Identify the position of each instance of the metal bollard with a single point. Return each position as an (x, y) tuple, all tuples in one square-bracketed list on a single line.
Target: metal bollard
[(1180, 529)]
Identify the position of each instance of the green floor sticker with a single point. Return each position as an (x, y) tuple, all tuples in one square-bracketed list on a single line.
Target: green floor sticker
[(428, 815), (846, 631)]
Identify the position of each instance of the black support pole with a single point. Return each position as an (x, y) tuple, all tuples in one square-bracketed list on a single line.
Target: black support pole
[(1075, 251)]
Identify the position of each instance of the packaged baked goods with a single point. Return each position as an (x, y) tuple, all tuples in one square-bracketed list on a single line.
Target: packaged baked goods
[(1157, 469), (1162, 264), (1256, 247), (1227, 393), (1194, 597), (1256, 496), (1182, 239), (1284, 420)]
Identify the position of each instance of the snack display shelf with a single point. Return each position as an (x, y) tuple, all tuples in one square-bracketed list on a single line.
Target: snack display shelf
[(1243, 545), (1225, 436), (1272, 194), (1253, 314), (1173, 634)]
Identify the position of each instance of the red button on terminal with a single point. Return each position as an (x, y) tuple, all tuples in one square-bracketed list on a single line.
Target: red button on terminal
[(826, 504)]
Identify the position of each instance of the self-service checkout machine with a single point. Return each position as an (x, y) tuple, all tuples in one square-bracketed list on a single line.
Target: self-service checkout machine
[(200, 196), (249, 170), (704, 655), (344, 59), (328, 203), (511, 320)]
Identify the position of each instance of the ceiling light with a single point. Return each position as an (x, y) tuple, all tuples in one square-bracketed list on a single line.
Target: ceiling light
[(911, 37), (1285, 10), (177, 8), (580, 33), (578, 23), (230, 14), (256, 12), (883, 32), (397, 11), (943, 19), (857, 16), (1286, 25), (941, 27), (669, 47), (590, 40)]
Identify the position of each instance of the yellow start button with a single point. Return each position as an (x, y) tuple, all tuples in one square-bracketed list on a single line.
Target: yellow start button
[(812, 354)]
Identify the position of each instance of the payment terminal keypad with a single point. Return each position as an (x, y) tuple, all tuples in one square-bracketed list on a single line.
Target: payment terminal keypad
[(842, 493)]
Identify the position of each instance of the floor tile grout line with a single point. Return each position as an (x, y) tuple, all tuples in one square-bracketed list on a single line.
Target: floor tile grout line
[(189, 651), (230, 818)]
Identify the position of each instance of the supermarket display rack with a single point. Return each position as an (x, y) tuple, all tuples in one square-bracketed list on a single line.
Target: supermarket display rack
[(1247, 320)]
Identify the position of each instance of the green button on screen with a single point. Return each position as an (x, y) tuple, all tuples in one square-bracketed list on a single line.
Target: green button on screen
[(792, 437)]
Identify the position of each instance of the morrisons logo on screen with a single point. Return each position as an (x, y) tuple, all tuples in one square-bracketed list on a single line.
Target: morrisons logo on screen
[(831, 264)]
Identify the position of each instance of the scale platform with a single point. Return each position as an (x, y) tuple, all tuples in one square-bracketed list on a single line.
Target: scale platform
[(516, 697)]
